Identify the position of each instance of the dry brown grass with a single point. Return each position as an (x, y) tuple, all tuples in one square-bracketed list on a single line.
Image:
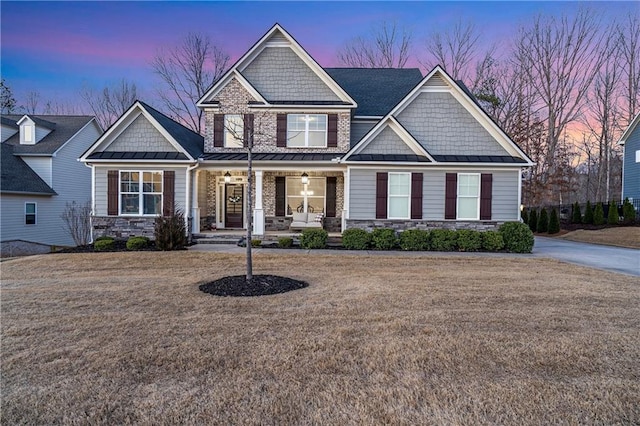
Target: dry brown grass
[(127, 338), (628, 236)]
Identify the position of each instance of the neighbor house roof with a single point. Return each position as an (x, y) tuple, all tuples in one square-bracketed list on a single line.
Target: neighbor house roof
[(376, 90), (17, 177), (62, 127)]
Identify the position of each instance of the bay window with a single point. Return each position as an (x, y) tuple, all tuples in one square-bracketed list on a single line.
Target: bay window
[(307, 130), (468, 196), (399, 197), (140, 193)]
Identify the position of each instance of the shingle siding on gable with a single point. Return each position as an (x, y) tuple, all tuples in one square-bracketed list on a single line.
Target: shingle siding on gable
[(280, 75), (631, 185), (387, 142), (140, 136), (444, 127)]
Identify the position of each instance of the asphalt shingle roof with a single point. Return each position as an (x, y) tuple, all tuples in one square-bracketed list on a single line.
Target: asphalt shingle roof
[(376, 90), (265, 156), (132, 155), (17, 177), (65, 126)]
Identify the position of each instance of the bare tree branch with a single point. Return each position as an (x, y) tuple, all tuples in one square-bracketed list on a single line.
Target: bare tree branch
[(454, 50), (111, 102), (629, 46), (386, 46)]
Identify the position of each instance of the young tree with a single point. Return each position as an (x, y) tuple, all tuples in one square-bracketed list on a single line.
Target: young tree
[(7, 101), (186, 71), (629, 45), (588, 214), (576, 215), (554, 222), (598, 214), (111, 102), (76, 221), (543, 221), (386, 46), (612, 214)]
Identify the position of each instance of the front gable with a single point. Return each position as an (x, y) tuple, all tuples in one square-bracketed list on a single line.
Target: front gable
[(140, 135)]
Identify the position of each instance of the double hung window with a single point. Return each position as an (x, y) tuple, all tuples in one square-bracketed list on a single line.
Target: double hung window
[(468, 196), (233, 131), (307, 130), (30, 211), (399, 197), (140, 193)]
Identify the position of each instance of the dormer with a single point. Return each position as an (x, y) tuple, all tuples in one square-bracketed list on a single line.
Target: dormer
[(34, 129)]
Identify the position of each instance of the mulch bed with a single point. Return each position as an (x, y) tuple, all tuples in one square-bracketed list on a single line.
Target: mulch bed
[(118, 246), (260, 285)]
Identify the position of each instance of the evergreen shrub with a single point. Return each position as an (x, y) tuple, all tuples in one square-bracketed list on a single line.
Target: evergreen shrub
[(356, 239), (533, 220), (517, 237), (588, 214), (313, 238), (628, 212), (554, 222), (576, 214), (443, 240), (469, 240), (543, 221), (170, 231), (137, 243), (612, 215), (598, 215), (285, 242), (492, 241), (384, 239), (414, 240), (104, 245)]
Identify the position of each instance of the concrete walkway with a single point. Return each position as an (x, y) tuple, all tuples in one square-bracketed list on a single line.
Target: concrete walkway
[(615, 259)]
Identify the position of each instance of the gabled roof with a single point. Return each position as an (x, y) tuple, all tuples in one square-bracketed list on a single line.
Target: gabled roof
[(38, 121), (64, 128), (6, 121), (189, 145), (16, 177), (632, 126), (376, 90)]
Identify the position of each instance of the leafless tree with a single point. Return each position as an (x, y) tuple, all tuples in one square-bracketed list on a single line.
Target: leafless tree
[(111, 102), (31, 102), (629, 46), (76, 221), (186, 72), (386, 46)]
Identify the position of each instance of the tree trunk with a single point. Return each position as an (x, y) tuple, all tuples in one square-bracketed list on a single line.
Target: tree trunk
[(249, 211)]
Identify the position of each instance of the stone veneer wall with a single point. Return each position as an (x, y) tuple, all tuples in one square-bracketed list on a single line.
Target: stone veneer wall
[(123, 227), (402, 225)]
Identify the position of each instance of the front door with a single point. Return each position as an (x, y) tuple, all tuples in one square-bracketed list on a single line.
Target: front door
[(234, 202)]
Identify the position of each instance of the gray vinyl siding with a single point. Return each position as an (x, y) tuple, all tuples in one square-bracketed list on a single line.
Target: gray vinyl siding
[(504, 202), (101, 185), (359, 129), (631, 184), (141, 136), (42, 166), (444, 127), (362, 194), (387, 142), (279, 74), (7, 132), (48, 227)]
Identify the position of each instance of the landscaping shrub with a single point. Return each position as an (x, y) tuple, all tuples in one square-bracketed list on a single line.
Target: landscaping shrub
[(588, 214), (517, 237), (524, 215), (356, 239), (628, 212), (414, 240), (256, 243), (612, 216), (598, 215), (384, 239), (442, 240), (469, 240), (104, 237), (533, 220), (554, 222), (104, 245), (137, 243), (285, 242), (170, 231), (492, 241), (576, 214), (543, 221), (313, 238)]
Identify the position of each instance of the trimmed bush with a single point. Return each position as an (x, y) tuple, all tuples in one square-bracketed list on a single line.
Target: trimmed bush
[(356, 239), (628, 212), (469, 240), (171, 231), (543, 221), (137, 243), (588, 214), (104, 245), (443, 240), (256, 243), (105, 237), (554, 222), (598, 215), (612, 216), (414, 240), (576, 214), (285, 242), (384, 239), (313, 238), (524, 215), (492, 241), (517, 237), (533, 220)]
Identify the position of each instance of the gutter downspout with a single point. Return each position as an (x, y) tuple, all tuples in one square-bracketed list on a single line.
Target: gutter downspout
[(189, 195)]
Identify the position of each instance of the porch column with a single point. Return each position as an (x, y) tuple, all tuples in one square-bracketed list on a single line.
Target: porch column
[(345, 204), (258, 212), (195, 209)]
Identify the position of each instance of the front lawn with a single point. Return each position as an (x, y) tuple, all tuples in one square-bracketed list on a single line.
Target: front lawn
[(120, 338), (623, 236)]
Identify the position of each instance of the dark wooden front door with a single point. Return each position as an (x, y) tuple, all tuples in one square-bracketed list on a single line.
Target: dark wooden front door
[(234, 202)]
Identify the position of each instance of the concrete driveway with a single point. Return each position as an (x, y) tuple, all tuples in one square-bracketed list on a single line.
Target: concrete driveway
[(616, 259)]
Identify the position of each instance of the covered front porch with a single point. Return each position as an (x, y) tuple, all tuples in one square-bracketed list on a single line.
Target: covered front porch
[(220, 199)]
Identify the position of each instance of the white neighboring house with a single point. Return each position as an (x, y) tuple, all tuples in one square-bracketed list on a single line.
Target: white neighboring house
[(40, 175)]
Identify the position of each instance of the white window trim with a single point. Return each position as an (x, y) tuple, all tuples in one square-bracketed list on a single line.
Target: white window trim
[(35, 213), (140, 193), (306, 132), (305, 197), (458, 196), (398, 196), (637, 155), (228, 132)]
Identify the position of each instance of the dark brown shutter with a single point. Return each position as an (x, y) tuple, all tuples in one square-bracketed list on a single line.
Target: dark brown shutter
[(381, 195), (168, 197), (248, 130), (451, 195), (280, 196), (218, 130), (281, 131), (332, 183), (112, 192), (486, 189), (416, 195), (332, 130)]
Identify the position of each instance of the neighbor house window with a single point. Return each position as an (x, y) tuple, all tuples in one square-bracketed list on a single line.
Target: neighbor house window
[(399, 197), (30, 213), (140, 193), (307, 130), (28, 133), (309, 198), (468, 196), (233, 131), (638, 156)]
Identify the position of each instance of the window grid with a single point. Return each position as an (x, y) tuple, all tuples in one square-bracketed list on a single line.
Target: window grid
[(307, 130), (309, 198), (468, 196), (233, 131), (141, 193)]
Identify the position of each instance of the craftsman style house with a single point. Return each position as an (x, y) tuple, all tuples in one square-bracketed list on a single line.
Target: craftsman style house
[(342, 146)]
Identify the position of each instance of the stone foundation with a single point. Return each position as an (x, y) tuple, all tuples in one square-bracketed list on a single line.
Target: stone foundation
[(402, 225), (123, 227)]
